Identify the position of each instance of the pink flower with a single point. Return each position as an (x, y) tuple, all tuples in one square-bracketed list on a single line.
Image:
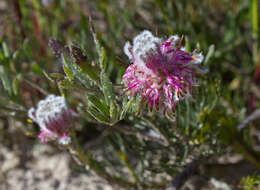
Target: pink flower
[(162, 72), (54, 118)]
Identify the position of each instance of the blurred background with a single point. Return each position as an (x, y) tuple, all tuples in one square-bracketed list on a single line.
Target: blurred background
[(226, 31)]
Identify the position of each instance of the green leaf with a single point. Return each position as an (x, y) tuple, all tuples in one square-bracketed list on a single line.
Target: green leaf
[(72, 70), (36, 68), (227, 129), (107, 88), (96, 41), (56, 75), (27, 49), (49, 77), (254, 17), (83, 22), (114, 111), (187, 44), (97, 115), (100, 50), (16, 84), (5, 78), (210, 53), (136, 105), (103, 59), (91, 72), (2, 58), (100, 106), (126, 107), (65, 83), (5, 50), (67, 66), (68, 72)]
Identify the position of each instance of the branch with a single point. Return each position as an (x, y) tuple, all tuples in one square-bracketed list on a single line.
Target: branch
[(17, 9), (98, 140), (35, 86), (86, 160), (147, 135), (249, 119), (164, 137), (189, 171)]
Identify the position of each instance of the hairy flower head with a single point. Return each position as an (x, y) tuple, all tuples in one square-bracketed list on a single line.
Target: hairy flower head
[(162, 72), (53, 117)]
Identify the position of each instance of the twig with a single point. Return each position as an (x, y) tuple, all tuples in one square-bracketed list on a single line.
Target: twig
[(37, 32), (148, 135), (189, 171), (249, 119), (85, 89), (98, 140), (37, 87), (86, 160), (157, 129), (14, 109), (122, 62), (255, 90), (127, 130), (17, 9)]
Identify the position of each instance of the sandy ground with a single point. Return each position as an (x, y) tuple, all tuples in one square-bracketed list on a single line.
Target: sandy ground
[(48, 169), (28, 165), (44, 171)]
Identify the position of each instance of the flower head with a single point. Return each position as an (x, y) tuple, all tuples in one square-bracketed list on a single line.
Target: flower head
[(162, 72), (53, 117)]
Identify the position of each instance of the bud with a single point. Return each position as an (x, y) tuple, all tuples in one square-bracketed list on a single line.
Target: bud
[(54, 118)]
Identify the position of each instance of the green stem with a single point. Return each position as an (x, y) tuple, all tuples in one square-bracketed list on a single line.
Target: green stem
[(246, 151), (157, 129), (86, 159), (254, 22)]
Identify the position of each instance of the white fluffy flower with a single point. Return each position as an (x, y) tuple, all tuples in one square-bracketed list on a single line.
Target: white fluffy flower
[(54, 117)]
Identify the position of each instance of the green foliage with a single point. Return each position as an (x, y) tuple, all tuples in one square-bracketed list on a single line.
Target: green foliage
[(86, 67), (250, 182)]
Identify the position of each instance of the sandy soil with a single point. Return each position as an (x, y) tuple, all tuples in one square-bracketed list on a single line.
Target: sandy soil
[(45, 170)]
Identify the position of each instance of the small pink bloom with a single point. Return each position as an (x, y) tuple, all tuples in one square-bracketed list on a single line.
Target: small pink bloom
[(54, 118), (162, 72)]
